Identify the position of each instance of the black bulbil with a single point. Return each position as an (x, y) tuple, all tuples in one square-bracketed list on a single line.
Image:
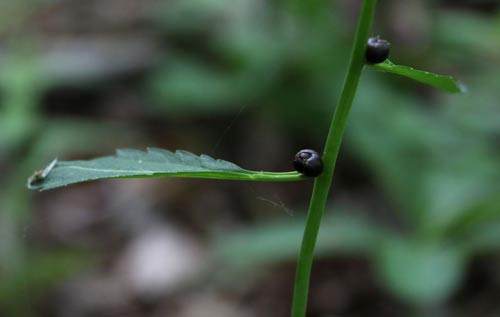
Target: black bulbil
[(377, 50), (308, 162)]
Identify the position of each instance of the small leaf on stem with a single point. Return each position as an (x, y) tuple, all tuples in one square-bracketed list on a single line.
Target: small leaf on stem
[(445, 83)]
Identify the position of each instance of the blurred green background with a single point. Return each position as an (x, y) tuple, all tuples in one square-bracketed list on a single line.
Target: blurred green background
[(413, 228)]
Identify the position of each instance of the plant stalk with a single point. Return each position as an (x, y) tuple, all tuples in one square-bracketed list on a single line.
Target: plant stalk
[(323, 182)]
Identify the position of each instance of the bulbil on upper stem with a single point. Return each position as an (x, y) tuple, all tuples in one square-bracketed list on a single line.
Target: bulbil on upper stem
[(377, 50)]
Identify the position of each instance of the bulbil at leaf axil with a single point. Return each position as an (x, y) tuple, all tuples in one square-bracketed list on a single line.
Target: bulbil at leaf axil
[(377, 50), (308, 162)]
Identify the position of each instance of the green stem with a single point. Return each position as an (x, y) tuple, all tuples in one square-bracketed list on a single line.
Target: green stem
[(323, 182)]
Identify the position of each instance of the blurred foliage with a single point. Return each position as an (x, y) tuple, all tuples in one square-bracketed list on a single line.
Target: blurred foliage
[(249, 52), (434, 157), (28, 137), (37, 272)]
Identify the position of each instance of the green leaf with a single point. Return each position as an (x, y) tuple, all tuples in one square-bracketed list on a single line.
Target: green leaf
[(483, 239), (344, 233), (446, 83), (129, 163), (422, 274)]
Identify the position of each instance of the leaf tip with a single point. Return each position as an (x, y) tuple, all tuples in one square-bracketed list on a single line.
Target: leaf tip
[(35, 180)]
